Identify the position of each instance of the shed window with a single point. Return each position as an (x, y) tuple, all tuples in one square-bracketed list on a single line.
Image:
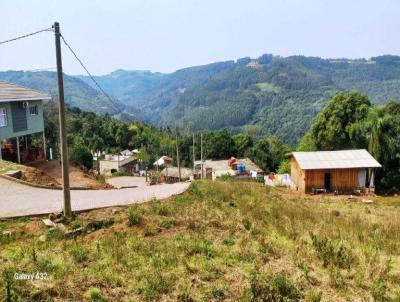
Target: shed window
[(34, 110), (3, 117)]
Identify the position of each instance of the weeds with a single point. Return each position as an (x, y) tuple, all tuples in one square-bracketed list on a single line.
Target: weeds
[(331, 252), (217, 233), (134, 217), (94, 294), (155, 284), (273, 288)]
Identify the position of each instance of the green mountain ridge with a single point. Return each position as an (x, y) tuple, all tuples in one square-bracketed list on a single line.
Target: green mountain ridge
[(280, 95)]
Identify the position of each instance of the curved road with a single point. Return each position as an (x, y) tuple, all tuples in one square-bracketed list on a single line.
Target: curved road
[(21, 200)]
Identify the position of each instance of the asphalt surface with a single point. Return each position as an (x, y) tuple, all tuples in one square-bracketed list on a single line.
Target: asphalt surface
[(21, 200)]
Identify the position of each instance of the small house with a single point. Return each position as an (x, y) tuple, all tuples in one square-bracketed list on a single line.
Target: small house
[(163, 161), (243, 167), (328, 171), (21, 116), (117, 163), (171, 174)]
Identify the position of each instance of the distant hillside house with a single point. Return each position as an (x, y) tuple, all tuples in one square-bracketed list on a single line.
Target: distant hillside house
[(117, 163), (234, 167), (171, 174), (21, 116), (163, 161), (340, 171)]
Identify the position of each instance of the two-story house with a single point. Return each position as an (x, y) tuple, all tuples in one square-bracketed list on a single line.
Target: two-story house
[(21, 116)]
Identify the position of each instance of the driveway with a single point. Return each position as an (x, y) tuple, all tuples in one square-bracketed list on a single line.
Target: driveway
[(21, 200)]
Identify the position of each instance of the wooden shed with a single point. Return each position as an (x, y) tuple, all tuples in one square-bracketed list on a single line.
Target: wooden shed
[(340, 171)]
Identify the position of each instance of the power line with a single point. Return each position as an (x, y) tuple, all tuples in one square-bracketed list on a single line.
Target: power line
[(88, 72), (25, 36), (75, 55)]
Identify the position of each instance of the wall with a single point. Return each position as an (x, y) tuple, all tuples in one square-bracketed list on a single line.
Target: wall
[(35, 122), (297, 175), (344, 180), (106, 166)]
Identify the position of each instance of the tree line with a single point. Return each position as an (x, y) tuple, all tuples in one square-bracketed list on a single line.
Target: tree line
[(89, 132), (348, 121)]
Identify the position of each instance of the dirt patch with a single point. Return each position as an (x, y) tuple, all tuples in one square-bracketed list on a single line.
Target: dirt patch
[(77, 176), (30, 174), (34, 227), (36, 176)]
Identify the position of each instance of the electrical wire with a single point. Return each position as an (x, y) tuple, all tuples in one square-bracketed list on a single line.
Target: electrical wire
[(89, 74), (74, 54), (25, 36)]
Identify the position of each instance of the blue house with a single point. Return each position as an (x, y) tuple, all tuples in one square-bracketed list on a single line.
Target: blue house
[(21, 117)]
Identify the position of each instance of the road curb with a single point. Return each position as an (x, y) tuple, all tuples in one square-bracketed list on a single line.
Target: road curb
[(23, 182)]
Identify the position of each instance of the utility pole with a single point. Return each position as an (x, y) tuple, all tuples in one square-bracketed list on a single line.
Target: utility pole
[(63, 134), (194, 155), (177, 155), (201, 154)]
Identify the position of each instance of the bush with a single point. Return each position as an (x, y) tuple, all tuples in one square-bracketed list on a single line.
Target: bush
[(314, 296), (155, 284), (284, 167), (134, 217), (121, 173), (80, 154), (79, 253), (331, 252), (276, 287), (226, 177), (379, 291), (94, 294)]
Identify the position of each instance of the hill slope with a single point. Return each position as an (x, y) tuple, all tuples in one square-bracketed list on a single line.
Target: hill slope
[(77, 92), (281, 95), (220, 241)]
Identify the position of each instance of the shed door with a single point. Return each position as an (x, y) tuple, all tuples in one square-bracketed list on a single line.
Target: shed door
[(362, 177), (327, 181), (19, 119)]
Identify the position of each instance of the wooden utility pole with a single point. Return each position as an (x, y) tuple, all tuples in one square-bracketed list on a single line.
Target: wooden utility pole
[(201, 154), (157, 161), (63, 134), (177, 155), (194, 155)]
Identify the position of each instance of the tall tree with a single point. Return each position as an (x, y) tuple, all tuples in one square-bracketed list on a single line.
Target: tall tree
[(341, 124)]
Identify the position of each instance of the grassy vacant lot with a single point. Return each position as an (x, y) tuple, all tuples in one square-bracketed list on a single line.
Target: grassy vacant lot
[(219, 241), (7, 166)]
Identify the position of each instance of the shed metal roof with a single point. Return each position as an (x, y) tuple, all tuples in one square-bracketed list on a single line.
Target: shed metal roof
[(13, 93), (345, 159)]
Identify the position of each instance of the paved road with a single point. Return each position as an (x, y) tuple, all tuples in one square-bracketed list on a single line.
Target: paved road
[(20, 200), (127, 181)]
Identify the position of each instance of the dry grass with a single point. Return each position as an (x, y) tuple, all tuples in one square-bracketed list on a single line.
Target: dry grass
[(7, 166), (219, 241)]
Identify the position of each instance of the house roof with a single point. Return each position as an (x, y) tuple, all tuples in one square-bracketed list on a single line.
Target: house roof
[(249, 165), (345, 159), (222, 165), (162, 160), (12, 93)]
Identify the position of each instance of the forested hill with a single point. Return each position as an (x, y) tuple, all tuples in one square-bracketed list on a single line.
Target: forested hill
[(280, 95), (77, 92)]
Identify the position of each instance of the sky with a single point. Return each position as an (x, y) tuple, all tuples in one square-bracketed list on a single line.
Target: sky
[(166, 35)]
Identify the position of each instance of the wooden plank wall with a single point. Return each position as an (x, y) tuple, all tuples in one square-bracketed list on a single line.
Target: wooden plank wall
[(341, 179)]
